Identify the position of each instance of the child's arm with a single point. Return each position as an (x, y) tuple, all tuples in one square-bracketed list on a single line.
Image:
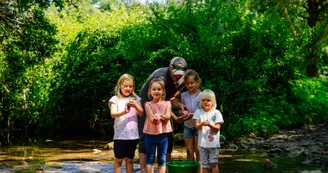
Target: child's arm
[(215, 127), (149, 113), (137, 106), (198, 124), (175, 118), (167, 114), (183, 112), (175, 103), (114, 112)]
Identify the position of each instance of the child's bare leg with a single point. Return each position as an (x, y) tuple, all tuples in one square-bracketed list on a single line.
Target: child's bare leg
[(200, 168), (190, 148), (129, 165), (206, 170), (118, 165), (161, 169), (168, 157), (196, 148), (215, 167), (142, 161), (150, 168)]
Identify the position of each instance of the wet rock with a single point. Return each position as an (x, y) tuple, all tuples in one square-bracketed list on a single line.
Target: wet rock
[(269, 165), (38, 170), (96, 151), (232, 147), (23, 163), (4, 166), (316, 171), (309, 141), (109, 146), (222, 138)]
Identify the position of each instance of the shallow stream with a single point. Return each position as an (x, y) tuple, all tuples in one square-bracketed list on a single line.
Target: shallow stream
[(90, 156)]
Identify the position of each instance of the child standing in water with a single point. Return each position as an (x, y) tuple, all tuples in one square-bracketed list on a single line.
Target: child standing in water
[(157, 125), (208, 121), (125, 107), (191, 99)]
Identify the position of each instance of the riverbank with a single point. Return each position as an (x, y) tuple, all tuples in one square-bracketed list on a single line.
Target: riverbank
[(309, 141)]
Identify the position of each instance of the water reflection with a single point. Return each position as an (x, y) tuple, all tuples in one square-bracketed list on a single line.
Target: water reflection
[(78, 167), (90, 156)]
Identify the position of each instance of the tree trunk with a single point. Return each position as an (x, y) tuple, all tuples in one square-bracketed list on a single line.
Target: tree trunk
[(4, 131), (311, 68), (313, 11)]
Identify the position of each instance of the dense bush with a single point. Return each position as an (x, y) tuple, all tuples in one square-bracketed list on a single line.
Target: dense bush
[(250, 60)]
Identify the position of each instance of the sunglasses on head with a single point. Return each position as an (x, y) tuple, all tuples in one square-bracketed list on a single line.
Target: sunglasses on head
[(176, 67)]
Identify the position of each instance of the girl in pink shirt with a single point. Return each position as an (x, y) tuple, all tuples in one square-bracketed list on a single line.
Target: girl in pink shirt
[(157, 125)]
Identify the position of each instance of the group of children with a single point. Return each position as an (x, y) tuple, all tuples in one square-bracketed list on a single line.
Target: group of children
[(202, 122)]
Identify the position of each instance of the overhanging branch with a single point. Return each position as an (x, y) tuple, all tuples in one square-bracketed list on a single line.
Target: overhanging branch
[(284, 9)]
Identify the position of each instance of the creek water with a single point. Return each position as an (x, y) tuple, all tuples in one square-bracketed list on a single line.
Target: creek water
[(90, 156)]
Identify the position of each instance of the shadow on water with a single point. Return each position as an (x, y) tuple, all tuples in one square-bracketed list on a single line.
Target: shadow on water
[(90, 156)]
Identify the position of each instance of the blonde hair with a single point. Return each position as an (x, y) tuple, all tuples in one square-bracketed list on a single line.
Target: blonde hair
[(121, 80), (161, 82), (209, 94)]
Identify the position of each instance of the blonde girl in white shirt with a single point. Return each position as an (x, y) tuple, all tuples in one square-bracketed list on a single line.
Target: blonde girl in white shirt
[(208, 121)]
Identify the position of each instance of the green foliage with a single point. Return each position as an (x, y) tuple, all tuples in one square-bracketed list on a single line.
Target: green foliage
[(250, 59), (27, 40), (311, 100)]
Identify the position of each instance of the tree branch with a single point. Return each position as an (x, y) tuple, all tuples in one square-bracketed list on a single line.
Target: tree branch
[(325, 34), (284, 9)]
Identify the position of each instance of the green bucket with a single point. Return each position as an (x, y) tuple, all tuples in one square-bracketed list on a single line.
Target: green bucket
[(183, 166)]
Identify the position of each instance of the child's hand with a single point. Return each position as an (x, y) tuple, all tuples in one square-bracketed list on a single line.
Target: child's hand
[(179, 119), (206, 123), (156, 118), (162, 117), (132, 103), (183, 107), (183, 113), (127, 108), (188, 117)]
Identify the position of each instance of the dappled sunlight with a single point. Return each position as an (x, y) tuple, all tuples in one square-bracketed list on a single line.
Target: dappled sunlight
[(248, 160)]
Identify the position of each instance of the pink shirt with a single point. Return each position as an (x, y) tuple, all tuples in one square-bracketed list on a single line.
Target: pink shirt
[(159, 126)]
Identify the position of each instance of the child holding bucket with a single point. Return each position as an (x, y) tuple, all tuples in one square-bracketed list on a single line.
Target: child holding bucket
[(208, 121), (125, 107), (157, 125)]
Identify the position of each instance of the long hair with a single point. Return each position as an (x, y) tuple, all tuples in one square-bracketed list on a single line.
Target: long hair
[(121, 80)]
